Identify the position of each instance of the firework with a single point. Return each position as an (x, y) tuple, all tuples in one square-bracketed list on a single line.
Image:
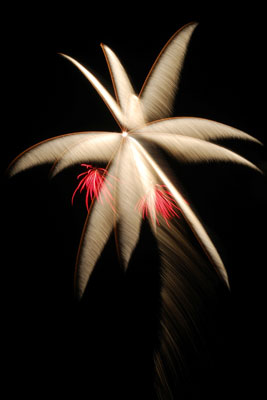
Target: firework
[(144, 120), (139, 187)]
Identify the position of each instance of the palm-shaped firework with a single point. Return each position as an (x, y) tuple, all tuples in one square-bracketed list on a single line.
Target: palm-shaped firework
[(133, 185)]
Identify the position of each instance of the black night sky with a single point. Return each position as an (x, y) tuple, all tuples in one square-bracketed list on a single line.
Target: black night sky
[(59, 346)]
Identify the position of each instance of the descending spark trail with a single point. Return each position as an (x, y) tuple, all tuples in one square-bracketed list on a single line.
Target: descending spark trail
[(139, 186)]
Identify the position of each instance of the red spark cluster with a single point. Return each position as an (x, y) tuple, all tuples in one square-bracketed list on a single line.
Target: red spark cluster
[(94, 182), (158, 201)]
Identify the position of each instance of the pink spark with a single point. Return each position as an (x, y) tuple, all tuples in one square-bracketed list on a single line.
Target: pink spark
[(94, 180), (158, 201)]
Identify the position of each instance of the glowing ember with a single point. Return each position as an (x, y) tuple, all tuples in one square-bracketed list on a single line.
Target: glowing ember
[(94, 180), (158, 201)]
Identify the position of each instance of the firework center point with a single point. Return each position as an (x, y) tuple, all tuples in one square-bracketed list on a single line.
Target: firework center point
[(124, 134)]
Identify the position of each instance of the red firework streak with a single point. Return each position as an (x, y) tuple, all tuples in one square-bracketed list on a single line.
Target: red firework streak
[(94, 180), (158, 201)]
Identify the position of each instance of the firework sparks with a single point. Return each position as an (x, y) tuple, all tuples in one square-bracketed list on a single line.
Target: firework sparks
[(93, 180), (141, 188), (158, 201)]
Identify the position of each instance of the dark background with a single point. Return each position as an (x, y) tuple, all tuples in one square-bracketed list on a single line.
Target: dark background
[(61, 346)]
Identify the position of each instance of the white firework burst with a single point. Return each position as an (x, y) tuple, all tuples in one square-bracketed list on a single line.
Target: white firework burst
[(133, 185)]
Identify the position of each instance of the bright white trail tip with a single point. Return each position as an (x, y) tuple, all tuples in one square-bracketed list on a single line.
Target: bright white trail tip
[(132, 185)]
